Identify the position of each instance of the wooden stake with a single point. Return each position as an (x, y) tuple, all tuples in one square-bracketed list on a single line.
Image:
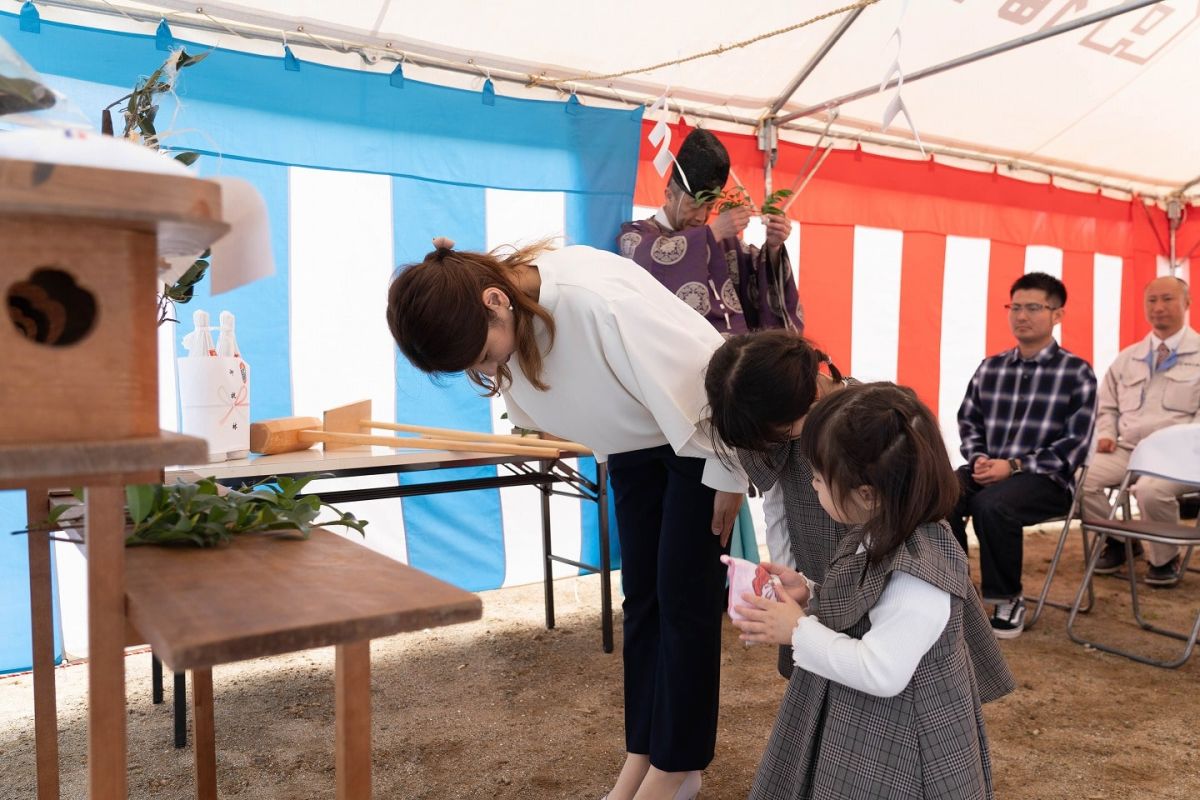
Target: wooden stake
[(427, 444), (472, 436)]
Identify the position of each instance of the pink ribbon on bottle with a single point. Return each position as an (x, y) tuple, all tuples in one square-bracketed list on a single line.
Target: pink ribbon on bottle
[(239, 400)]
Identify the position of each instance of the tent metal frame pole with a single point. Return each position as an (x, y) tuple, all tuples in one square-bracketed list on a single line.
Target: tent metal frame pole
[(970, 58), (1174, 266), (611, 96), (1174, 220), (768, 134), (816, 59)]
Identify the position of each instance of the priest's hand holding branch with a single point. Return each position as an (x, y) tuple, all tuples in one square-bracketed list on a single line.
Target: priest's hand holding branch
[(730, 223), (778, 229)]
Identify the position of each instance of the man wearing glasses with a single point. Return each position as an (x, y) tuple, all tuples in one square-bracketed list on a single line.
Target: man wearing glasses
[(1025, 422), (1151, 385)]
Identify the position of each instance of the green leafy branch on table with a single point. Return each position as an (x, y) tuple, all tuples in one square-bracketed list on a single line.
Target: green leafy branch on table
[(200, 514), (183, 288), (139, 112), (518, 430)]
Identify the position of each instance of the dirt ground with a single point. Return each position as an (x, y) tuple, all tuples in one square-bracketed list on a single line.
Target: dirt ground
[(503, 708)]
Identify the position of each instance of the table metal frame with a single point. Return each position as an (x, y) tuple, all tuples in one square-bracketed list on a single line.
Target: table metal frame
[(523, 471)]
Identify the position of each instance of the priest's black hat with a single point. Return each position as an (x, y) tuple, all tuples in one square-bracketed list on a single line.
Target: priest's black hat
[(704, 162)]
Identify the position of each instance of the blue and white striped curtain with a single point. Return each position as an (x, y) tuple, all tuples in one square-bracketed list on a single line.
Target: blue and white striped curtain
[(358, 176)]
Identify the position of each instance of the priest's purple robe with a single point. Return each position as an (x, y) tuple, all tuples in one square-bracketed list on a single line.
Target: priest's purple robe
[(736, 287)]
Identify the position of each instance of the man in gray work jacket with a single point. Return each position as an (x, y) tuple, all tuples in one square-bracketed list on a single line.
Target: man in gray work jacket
[(1150, 386)]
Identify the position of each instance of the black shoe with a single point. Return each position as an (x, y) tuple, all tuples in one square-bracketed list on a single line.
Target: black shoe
[(1008, 618), (1165, 576), (1112, 558)]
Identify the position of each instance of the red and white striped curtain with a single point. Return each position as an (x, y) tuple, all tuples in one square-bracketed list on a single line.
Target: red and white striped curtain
[(904, 266)]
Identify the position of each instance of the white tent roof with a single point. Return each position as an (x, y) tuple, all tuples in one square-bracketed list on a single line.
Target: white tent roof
[(1113, 100)]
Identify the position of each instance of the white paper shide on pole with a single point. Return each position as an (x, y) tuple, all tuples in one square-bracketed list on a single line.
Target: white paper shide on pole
[(214, 389)]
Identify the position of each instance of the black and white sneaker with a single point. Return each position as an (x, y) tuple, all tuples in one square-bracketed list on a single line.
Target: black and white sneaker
[(1008, 618)]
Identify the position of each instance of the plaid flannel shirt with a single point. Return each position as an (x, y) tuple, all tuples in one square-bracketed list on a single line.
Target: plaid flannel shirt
[(1040, 410)]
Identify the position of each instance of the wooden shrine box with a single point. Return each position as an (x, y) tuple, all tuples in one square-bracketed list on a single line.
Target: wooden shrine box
[(79, 250)]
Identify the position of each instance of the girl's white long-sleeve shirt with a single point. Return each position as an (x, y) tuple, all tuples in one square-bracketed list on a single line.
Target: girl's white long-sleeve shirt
[(626, 371), (907, 620)]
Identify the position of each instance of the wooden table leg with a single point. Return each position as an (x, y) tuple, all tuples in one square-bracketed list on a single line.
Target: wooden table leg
[(204, 738), (106, 642), (353, 709), (41, 605)]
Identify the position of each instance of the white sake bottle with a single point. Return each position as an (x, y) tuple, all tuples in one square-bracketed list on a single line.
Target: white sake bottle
[(199, 343), (227, 347)]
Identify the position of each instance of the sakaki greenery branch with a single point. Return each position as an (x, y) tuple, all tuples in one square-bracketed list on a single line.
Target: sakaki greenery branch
[(204, 514), (738, 197), (140, 110)]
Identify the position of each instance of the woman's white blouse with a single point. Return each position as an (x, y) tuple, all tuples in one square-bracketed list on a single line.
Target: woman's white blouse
[(626, 371)]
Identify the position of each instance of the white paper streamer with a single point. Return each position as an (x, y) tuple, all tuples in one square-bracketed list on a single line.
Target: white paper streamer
[(897, 106), (660, 136), (662, 133)]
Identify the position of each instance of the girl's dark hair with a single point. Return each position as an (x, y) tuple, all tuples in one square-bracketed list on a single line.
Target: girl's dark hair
[(437, 316), (758, 384), (880, 435)]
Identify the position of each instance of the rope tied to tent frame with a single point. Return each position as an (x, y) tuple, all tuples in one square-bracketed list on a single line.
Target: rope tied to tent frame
[(540, 80), (200, 19)]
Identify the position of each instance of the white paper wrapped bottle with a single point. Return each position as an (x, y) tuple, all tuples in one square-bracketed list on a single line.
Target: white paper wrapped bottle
[(199, 342), (214, 389), (227, 347)]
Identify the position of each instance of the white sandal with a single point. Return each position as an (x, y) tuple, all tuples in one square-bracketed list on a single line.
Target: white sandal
[(690, 786), (688, 790)]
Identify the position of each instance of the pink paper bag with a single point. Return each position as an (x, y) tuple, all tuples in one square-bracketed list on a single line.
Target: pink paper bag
[(745, 576)]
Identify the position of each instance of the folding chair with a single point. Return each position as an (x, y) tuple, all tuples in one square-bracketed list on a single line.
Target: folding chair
[(1184, 499), (1172, 454), (1072, 511)]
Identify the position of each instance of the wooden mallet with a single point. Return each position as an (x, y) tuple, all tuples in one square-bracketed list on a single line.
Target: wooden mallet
[(343, 428)]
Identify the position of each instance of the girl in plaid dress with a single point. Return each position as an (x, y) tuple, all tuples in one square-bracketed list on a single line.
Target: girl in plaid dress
[(763, 427), (894, 650)]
